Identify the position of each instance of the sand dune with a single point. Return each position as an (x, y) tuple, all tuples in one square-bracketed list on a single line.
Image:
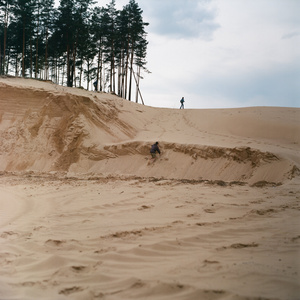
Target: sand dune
[(85, 214), (67, 130)]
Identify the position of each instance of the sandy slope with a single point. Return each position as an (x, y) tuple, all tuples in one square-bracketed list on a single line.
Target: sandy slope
[(83, 215), (51, 128)]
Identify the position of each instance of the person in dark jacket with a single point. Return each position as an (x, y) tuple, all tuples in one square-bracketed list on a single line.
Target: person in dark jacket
[(96, 85), (182, 103), (154, 149)]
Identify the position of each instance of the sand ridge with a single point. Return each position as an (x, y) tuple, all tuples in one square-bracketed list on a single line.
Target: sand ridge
[(95, 132)]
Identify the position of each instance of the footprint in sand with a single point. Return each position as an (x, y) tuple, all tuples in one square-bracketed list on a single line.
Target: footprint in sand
[(209, 211), (239, 246), (78, 269), (55, 243), (263, 212), (211, 265), (8, 234), (206, 262), (143, 207), (71, 290)]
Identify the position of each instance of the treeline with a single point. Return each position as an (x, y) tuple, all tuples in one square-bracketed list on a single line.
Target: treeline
[(75, 44)]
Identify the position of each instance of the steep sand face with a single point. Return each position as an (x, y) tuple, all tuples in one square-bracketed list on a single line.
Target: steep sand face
[(45, 128)]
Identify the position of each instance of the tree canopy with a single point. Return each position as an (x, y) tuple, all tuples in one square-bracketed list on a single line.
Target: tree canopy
[(74, 44)]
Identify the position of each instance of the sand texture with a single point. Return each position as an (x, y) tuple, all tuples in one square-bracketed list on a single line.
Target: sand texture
[(85, 213)]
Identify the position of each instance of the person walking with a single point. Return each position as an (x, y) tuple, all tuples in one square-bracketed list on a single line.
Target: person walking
[(182, 105), (96, 85)]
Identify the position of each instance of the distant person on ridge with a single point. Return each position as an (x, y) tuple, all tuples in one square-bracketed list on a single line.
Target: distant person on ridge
[(153, 150), (182, 101), (95, 85)]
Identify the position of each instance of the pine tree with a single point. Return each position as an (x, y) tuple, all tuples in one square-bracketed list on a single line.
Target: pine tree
[(87, 51), (65, 32), (47, 26), (5, 13), (97, 29), (70, 26), (122, 50), (137, 40), (110, 31), (38, 40), (23, 19)]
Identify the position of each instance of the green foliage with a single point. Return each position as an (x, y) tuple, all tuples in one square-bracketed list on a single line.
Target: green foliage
[(74, 43)]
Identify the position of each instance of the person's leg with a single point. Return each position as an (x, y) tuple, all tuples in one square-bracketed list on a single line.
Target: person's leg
[(153, 158)]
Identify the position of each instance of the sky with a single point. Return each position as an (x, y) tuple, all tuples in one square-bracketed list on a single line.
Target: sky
[(221, 53)]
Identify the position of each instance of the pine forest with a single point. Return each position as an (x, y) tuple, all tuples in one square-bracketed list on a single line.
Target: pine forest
[(77, 44)]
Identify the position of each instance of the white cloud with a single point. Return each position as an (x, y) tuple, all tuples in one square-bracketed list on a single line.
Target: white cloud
[(180, 19), (291, 35)]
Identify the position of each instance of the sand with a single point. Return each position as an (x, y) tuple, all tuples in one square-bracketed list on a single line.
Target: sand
[(85, 214)]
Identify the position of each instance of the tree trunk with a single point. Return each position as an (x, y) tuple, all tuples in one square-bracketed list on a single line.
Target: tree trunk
[(80, 76), (31, 63), (126, 72), (23, 52), (37, 43), (99, 70), (88, 75), (1, 72), (4, 38), (7, 64), (74, 59), (123, 74), (138, 89), (130, 77), (113, 82), (119, 80), (68, 67), (46, 56), (36, 58), (16, 65), (137, 84)]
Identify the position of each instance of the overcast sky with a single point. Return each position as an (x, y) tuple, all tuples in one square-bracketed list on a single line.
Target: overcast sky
[(221, 53)]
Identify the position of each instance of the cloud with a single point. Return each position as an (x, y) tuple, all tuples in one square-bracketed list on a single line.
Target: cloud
[(277, 85), (181, 19), (291, 35)]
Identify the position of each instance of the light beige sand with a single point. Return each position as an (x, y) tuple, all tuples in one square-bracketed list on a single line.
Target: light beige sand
[(84, 214)]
